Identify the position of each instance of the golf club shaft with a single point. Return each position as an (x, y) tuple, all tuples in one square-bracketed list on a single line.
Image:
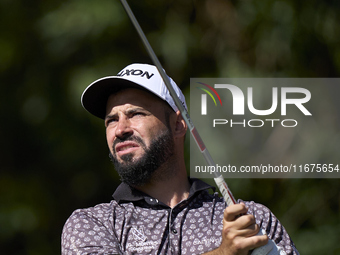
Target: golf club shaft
[(220, 182)]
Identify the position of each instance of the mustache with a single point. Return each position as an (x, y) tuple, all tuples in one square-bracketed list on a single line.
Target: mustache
[(128, 138)]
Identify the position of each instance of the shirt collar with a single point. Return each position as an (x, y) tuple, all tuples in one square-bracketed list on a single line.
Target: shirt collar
[(128, 194)]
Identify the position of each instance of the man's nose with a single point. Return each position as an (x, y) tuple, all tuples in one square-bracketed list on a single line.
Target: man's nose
[(123, 128)]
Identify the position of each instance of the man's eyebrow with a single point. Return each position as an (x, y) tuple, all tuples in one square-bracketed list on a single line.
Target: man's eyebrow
[(110, 116), (136, 109), (128, 111)]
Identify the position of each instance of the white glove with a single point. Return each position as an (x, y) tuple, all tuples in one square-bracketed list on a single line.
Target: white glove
[(269, 249)]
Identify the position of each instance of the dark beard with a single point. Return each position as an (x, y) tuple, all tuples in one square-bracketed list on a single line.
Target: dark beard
[(140, 172)]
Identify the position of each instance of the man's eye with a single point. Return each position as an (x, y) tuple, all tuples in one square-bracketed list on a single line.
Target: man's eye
[(138, 114), (110, 121)]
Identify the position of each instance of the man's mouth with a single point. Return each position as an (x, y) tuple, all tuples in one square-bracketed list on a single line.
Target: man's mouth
[(126, 147)]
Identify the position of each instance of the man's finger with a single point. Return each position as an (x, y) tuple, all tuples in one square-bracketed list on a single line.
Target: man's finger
[(246, 225), (255, 241), (241, 245), (232, 212)]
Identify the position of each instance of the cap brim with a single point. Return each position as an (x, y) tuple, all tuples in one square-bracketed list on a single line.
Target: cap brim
[(95, 96)]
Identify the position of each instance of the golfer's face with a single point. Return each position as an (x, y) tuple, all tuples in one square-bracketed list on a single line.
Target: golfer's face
[(133, 119)]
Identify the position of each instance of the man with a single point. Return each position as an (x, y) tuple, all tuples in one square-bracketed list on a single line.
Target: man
[(157, 209)]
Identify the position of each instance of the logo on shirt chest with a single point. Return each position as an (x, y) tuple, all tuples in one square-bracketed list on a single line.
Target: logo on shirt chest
[(138, 234), (138, 241)]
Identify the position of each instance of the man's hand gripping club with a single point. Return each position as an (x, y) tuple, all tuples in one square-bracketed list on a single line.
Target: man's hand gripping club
[(239, 234)]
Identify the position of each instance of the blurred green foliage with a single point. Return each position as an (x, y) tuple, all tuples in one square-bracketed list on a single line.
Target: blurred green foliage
[(54, 157)]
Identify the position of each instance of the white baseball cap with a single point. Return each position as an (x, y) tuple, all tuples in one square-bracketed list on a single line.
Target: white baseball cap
[(95, 96)]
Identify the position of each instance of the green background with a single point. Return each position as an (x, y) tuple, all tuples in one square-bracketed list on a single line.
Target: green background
[(53, 154)]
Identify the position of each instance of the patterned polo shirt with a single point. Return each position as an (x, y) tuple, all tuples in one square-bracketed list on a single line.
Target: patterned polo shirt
[(135, 223)]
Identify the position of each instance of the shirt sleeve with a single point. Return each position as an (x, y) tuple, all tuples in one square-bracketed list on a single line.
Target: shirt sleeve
[(85, 233), (274, 229)]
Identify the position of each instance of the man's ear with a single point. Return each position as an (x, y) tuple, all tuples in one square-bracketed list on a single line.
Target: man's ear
[(180, 127)]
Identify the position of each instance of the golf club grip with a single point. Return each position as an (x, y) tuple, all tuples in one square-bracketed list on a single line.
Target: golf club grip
[(219, 180)]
